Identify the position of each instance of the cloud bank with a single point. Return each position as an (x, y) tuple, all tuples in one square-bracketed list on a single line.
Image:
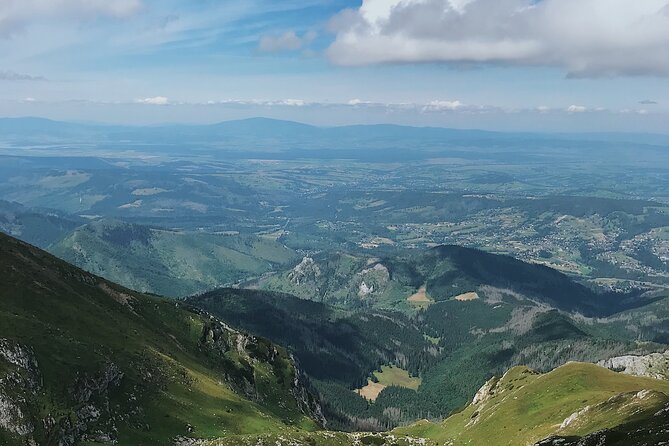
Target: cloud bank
[(156, 100), (585, 37)]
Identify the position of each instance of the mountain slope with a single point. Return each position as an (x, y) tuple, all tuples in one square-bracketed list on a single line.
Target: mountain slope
[(523, 406), (337, 349), (450, 349), (436, 275), (38, 227), (168, 263), (85, 360)]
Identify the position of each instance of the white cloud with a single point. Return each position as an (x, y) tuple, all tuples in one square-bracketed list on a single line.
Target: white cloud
[(289, 102), (288, 41), (443, 106), (16, 14), (157, 100), (576, 109), (585, 37)]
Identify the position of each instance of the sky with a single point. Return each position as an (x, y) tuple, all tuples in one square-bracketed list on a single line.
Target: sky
[(546, 65)]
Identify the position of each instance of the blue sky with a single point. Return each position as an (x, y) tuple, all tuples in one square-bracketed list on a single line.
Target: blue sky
[(558, 65)]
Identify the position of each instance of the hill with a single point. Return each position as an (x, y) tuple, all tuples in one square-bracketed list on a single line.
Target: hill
[(85, 361), (338, 350), (437, 275), (35, 226), (444, 351), (169, 263), (523, 407)]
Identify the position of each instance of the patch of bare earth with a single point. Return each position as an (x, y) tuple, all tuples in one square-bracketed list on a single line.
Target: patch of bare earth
[(420, 297), (371, 390)]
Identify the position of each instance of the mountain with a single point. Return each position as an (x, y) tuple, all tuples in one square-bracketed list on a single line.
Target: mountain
[(523, 407), (166, 262), (412, 366), (337, 349), (85, 361), (439, 274), (36, 226), (263, 134)]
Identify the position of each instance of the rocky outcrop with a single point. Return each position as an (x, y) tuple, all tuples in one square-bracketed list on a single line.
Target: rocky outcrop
[(486, 391), (306, 270), (92, 420), (218, 338), (18, 387), (372, 280), (305, 395), (655, 365)]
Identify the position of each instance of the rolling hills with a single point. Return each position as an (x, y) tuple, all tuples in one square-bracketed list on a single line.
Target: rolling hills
[(85, 361), (451, 348), (167, 262), (39, 227), (440, 274)]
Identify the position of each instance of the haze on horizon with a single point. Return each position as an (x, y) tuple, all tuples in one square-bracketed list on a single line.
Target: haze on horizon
[(548, 65)]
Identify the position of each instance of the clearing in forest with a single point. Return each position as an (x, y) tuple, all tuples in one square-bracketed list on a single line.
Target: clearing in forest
[(466, 296), (388, 376), (420, 298)]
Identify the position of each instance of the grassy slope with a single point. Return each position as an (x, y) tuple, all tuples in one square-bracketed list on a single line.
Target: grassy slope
[(75, 323), (166, 262), (527, 407)]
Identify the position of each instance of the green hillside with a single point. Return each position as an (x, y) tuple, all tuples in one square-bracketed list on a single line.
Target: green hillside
[(451, 348), (413, 281), (169, 263), (337, 349), (84, 361), (39, 227), (523, 406)]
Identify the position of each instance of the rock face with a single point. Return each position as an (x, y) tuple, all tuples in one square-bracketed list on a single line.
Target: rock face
[(306, 270), (655, 365), (486, 391), (372, 280), (18, 385), (93, 420), (219, 339)]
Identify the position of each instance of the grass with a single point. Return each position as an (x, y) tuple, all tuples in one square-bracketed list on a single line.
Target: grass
[(420, 299), (466, 296), (387, 377), (171, 377), (526, 407)]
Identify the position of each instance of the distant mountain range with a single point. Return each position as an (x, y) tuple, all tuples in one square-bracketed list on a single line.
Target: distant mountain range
[(267, 132)]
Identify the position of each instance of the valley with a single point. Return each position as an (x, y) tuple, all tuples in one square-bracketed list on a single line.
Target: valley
[(324, 296)]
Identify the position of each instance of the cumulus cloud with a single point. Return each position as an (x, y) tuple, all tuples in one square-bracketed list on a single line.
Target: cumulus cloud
[(14, 76), (16, 14), (156, 100), (288, 41), (585, 37)]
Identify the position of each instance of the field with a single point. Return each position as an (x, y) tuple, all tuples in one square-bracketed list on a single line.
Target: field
[(464, 297), (387, 377), (420, 299)]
